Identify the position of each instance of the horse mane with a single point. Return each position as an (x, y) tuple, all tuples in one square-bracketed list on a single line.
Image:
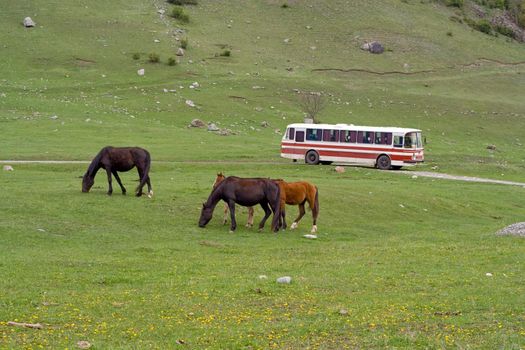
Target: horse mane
[(94, 163)]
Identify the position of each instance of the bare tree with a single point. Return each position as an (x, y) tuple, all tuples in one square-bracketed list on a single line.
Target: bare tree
[(311, 103)]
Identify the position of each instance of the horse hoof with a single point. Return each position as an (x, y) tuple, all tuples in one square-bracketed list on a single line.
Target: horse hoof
[(249, 226), (138, 194), (110, 193), (314, 229), (232, 231), (294, 226)]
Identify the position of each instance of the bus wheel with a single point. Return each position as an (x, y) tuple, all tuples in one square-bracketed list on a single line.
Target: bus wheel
[(312, 158), (383, 162)]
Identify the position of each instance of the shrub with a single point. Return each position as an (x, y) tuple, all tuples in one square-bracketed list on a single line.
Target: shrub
[(505, 31), (183, 2), (154, 57), (136, 56), (449, 33), (482, 25), (178, 13), (226, 53), (184, 43), (284, 6), (172, 61), (454, 3)]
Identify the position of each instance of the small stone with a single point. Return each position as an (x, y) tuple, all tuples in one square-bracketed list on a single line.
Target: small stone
[(284, 280), (180, 52), (491, 147), (190, 103), (161, 12), (141, 72), (343, 312), (265, 124), (28, 22), (54, 117), (83, 344), (414, 176), (263, 277), (197, 123), (340, 169), (8, 168), (213, 127), (156, 41), (309, 236), (488, 274)]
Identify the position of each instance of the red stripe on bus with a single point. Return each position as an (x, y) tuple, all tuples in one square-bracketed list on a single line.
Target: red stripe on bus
[(325, 153), (350, 147)]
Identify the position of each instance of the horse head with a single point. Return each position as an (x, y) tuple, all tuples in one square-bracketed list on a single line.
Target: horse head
[(206, 214), (87, 182)]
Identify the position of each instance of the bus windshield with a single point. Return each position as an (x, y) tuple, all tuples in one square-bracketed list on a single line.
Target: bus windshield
[(413, 140)]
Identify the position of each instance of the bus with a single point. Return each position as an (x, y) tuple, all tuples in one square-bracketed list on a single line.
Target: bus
[(382, 147)]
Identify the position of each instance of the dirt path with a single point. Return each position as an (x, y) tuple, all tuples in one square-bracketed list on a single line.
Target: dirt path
[(406, 172)]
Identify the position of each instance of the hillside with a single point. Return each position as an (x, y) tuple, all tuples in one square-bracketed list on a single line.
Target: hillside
[(462, 87)]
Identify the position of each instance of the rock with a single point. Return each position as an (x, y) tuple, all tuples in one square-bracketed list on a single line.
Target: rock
[(28, 22), (180, 52), (141, 72), (491, 147), (54, 117), (161, 11), (284, 279), (376, 48), (414, 176), (517, 229), (287, 40), (309, 236), (263, 277), (156, 41), (195, 85), (190, 103), (373, 47), (340, 169), (8, 168), (488, 274), (213, 127), (343, 312), (83, 344), (225, 132), (265, 124), (197, 123)]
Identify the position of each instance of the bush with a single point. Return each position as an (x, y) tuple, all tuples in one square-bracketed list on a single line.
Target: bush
[(454, 3), (505, 31), (136, 56), (226, 53), (172, 61), (154, 57), (178, 13), (449, 33), (183, 2), (284, 6), (184, 43)]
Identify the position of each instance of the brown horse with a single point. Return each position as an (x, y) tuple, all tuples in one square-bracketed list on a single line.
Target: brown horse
[(298, 193), (114, 159), (220, 177), (246, 192), (292, 193)]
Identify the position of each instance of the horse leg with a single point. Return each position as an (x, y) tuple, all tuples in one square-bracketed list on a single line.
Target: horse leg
[(267, 213), (301, 214), (225, 220), (110, 189), (233, 226), (139, 188), (249, 223), (315, 210), (150, 190), (114, 172)]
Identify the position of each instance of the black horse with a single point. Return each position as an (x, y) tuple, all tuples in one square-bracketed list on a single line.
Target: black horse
[(115, 159), (246, 192)]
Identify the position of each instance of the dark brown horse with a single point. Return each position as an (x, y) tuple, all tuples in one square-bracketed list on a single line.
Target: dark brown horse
[(220, 177), (246, 192), (114, 159)]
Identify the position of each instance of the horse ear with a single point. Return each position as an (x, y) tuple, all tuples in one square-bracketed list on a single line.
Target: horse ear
[(220, 173)]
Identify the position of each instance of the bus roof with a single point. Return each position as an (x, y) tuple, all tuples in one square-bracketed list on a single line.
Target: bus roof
[(353, 127)]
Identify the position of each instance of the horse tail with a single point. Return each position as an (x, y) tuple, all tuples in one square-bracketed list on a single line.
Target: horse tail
[(276, 205), (315, 208), (145, 175)]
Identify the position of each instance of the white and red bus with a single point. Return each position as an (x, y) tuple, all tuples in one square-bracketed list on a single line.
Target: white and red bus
[(382, 147)]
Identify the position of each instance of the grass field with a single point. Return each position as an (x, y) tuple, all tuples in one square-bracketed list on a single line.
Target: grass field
[(400, 262)]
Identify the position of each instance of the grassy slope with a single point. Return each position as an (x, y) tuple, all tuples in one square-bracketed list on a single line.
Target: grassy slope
[(125, 276)]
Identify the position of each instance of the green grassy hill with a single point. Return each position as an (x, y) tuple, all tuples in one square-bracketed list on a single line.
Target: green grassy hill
[(78, 64)]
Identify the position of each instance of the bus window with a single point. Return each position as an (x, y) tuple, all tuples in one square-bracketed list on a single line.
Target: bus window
[(314, 134), (331, 135), (398, 141), (410, 140), (365, 137), (299, 136), (347, 136), (383, 138), (291, 133)]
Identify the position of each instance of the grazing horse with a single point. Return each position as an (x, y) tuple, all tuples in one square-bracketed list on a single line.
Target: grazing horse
[(114, 159), (298, 193), (220, 177), (246, 192)]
